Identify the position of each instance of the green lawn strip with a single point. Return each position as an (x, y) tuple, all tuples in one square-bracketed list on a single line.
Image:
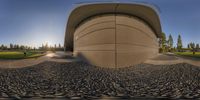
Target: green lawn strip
[(189, 54), (11, 55), (19, 54), (35, 55)]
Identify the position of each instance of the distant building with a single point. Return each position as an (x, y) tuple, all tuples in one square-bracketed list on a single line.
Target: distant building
[(113, 34)]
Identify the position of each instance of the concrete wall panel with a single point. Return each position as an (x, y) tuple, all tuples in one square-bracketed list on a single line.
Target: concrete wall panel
[(135, 40), (97, 47), (128, 54), (126, 34), (99, 58), (104, 36), (114, 41), (136, 23), (93, 21), (95, 41), (95, 27)]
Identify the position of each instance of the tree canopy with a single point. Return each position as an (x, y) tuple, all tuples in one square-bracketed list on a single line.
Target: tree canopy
[(170, 41), (179, 42)]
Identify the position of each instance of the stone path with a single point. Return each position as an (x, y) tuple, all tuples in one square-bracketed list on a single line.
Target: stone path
[(160, 59), (169, 59), (50, 56)]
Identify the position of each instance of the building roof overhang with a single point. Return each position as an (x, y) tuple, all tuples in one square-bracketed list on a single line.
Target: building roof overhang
[(82, 12)]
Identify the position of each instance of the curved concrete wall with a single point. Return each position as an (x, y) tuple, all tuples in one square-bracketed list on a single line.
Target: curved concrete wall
[(114, 40), (85, 11)]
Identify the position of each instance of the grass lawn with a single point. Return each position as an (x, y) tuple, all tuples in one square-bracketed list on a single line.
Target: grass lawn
[(189, 54), (19, 54)]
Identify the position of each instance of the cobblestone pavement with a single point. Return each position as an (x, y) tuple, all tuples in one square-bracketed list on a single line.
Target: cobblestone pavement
[(76, 80)]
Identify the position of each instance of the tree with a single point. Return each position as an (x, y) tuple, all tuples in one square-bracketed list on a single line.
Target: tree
[(11, 46), (197, 46), (22, 47), (162, 42), (14, 46), (170, 40), (46, 46), (17, 46), (192, 45), (5, 47), (188, 46), (170, 43), (2, 47), (55, 46), (34, 48), (59, 46), (179, 43)]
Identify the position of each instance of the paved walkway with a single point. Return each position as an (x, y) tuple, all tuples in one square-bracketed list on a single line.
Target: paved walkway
[(160, 59), (168, 59), (50, 56)]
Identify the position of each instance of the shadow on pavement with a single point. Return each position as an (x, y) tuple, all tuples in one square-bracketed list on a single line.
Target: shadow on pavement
[(189, 58), (165, 57)]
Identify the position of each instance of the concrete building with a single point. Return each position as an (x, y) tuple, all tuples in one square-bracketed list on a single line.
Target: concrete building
[(113, 34)]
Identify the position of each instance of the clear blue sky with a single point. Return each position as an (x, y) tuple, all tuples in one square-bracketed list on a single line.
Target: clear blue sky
[(33, 22)]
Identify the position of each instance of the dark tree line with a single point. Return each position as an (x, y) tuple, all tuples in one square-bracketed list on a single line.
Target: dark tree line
[(15, 47), (44, 47), (193, 47), (167, 45), (52, 48)]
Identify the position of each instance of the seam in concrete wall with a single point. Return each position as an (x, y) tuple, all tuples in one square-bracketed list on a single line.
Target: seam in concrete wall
[(116, 35), (138, 30), (93, 50), (134, 44), (96, 44), (145, 23), (92, 17), (92, 25), (138, 44), (93, 31), (114, 50)]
